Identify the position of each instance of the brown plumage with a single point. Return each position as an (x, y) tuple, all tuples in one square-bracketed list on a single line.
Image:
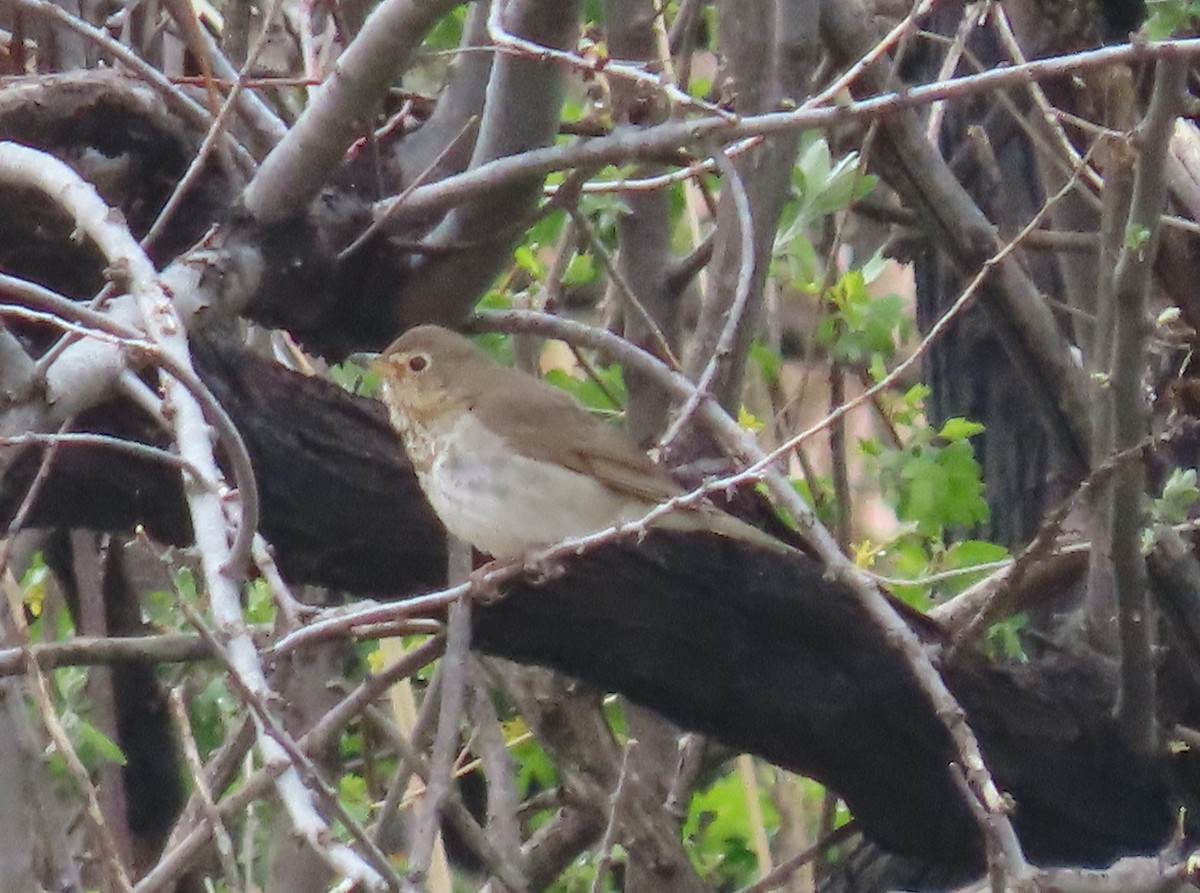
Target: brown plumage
[(509, 462)]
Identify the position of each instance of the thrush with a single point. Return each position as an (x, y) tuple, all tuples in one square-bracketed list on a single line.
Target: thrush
[(511, 463)]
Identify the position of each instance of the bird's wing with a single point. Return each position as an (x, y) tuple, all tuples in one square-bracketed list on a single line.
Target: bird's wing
[(547, 424)]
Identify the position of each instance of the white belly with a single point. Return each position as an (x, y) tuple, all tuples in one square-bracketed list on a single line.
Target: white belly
[(507, 505)]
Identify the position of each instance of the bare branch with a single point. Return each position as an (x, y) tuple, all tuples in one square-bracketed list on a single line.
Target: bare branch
[(200, 784), (454, 669), (524, 98), (459, 103), (734, 323), (1136, 703), (174, 97), (503, 826), (342, 110)]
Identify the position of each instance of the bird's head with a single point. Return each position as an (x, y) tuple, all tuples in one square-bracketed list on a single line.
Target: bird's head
[(428, 372)]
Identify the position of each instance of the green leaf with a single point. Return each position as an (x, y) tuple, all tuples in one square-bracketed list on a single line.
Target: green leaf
[(969, 553), (534, 769), (446, 33), (185, 584), (260, 605), (719, 831), (1004, 639), (1169, 17), (937, 487), (960, 429), (698, 88), (607, 395), (545, 231), (1136, 237), (861, 326), (581, 269), (748, 420), (353, 794), (209, 709), (965, 504), (33, 585), (1179, 496), (768, 361), (814, 166), (355, 378), (94, 747), (822, 186), (908, 556), (527, 261)]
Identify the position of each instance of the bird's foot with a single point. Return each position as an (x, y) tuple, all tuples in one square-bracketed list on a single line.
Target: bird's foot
[(546, 570), (485, 582)]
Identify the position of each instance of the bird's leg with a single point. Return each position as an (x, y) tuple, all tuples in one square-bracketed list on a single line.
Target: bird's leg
[(543, 570), (485, 582)]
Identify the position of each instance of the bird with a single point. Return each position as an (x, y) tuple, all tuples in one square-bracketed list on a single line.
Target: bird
[(510, 463)]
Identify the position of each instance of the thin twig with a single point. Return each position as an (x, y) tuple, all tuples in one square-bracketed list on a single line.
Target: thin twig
[(781, 873), (842, 83), (505, 40), (105, 839), (605, 847), (972, 16), (292, 609), (503, 803), (376, 225), (215, 131), (28, 500), (1003, 29), (118, 444), (737, 308), (623, 288), (687, 767), (175, 97), (454, 668), (191, 755)]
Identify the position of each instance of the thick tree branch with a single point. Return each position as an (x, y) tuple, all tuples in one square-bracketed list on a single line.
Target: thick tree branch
[(342, 109), (644, 232), (521, 113), (460, 101), (1136, 702), (789, 53)]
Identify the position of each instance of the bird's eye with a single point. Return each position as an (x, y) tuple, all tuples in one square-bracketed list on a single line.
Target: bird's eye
[(417, 363)]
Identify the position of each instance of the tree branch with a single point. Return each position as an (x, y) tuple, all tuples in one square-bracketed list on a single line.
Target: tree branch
[(524, 98), (342, 109), (1136, 704)]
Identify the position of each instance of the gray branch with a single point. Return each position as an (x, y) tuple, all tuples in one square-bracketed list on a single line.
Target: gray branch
[(521, 113), (790, 60), (1136, 707), (294, 172)]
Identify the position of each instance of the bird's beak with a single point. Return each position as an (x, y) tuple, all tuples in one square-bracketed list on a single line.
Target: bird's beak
[(365, 358)]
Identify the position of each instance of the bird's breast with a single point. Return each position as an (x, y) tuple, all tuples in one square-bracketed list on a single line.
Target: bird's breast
[(422, 439), (505, 503)]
